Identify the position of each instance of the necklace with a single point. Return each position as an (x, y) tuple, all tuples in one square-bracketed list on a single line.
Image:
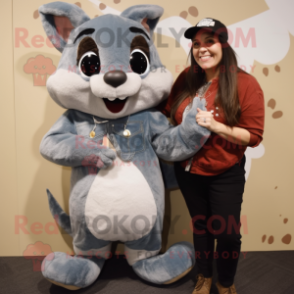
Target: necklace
[(126, 132), (93, 133), (203, 89)]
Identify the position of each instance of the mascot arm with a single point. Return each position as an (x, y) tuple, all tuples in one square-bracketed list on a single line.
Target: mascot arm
[(62, 145), (181, 142)]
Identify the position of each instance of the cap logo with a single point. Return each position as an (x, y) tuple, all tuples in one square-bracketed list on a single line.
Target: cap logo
[(206, 22)]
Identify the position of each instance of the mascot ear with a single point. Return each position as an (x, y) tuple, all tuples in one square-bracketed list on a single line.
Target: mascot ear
[(147, 15), (59, 19)]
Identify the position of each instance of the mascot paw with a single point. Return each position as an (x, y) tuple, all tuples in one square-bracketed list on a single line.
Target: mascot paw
[(169, 267), (70, 272), (106, 157)]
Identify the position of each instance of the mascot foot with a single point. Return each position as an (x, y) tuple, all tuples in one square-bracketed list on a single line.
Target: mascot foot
[(169, 267), (70, 272)]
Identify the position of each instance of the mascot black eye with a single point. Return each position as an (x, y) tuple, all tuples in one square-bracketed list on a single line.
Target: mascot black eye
[(139, 62), (89, 64)]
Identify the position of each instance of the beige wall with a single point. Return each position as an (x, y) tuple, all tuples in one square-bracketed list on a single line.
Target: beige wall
[(27, 112), (8, 168)]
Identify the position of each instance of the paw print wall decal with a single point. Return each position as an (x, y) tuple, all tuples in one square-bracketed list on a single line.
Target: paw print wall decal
[(266, 70), (270, 239), (102, 6), (272, 104), (36, 14), (286, 239), (191, 10)]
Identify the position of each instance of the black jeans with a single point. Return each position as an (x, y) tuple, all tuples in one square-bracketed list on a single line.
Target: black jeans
[(214, 203)]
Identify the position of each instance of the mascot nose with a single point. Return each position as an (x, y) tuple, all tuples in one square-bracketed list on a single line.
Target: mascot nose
[(115, 78)]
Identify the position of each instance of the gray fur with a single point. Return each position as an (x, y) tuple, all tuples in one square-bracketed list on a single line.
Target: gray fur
[(75, 14), (139, 12), (117, 190)]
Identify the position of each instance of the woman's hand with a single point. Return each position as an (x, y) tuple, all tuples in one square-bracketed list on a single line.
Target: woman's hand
[(205, 119), (235, 135)]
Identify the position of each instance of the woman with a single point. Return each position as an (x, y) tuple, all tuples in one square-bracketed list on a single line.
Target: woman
[(212, 182)]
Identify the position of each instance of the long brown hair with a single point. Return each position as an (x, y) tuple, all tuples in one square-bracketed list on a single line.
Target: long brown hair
[(227, 95)]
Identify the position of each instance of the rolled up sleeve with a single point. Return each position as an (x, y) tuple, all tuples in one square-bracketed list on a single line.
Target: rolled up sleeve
[(252, 113)]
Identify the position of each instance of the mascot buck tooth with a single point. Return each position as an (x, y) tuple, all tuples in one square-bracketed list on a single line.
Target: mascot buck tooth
[(112, 137)]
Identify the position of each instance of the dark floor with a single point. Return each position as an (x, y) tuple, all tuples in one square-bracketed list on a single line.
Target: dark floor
[(258, 273)]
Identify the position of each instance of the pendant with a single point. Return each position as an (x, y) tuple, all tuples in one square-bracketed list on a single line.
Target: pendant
[(127, 133), (92, 134)]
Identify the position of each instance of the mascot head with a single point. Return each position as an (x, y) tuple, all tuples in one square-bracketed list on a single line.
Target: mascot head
[(109, 65)]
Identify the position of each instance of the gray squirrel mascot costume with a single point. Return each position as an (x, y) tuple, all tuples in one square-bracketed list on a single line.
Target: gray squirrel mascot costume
[(112, 137)]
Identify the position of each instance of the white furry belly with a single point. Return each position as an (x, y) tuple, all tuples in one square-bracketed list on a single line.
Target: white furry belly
[(120, 205)]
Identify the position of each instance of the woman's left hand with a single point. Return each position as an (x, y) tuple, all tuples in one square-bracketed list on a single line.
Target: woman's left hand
[(205, 119)]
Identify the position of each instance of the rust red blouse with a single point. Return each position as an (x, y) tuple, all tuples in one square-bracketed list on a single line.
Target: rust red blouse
[(218, 154)]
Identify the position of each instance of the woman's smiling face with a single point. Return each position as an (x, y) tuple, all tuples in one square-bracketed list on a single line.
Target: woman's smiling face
[(207, 50)]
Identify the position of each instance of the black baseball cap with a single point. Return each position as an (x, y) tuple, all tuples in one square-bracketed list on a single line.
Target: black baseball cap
[(210, 24)]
